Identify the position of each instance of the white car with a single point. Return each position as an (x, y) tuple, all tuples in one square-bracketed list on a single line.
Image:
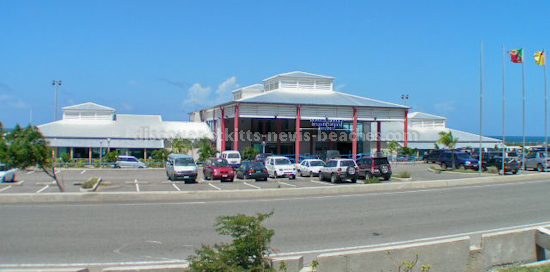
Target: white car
[(279, 166), (233, 158), (7, 174), (310, 167)]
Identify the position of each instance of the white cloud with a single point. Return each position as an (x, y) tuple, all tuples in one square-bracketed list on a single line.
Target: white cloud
[(199, 95), (224, 89), (445, 106), (12, 102), (340, 87)]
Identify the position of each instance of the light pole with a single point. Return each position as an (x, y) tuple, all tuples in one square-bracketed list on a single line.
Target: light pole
[(56, 84), (405, 98)]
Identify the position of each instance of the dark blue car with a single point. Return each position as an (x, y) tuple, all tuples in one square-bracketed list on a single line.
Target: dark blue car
[(462, 160)]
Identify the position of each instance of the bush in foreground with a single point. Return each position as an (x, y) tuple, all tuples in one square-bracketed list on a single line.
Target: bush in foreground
[(248, 252)]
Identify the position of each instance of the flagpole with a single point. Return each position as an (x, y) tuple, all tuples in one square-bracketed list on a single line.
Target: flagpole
[(523, 81), (480, 163), (545, 115), (503, 107)]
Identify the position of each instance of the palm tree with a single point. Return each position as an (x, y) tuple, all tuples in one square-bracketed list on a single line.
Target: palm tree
[(447, 139), (181, 146)]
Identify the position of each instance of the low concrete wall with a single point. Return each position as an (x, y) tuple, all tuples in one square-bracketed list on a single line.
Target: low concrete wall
[(292, 264), (445, 255), (153, 268), (78, 269)]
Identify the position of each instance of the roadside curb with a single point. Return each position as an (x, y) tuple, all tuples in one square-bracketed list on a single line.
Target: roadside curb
[(254, 193), (17, 183)]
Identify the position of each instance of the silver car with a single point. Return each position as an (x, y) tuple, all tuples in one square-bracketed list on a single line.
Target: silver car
[(7, 174), (338, 170), (537, 161), (129, 162)]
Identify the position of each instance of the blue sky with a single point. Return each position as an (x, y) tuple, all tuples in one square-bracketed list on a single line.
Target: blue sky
[(170, 57)]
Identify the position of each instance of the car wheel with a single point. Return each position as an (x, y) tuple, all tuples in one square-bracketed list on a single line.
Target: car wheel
[(301, 174), (354, 180), (275, 174), (293, 177), (514, 172), (310, 174), (540, 168), (387, 177), (333, 178), (443, 165), (321, 177)]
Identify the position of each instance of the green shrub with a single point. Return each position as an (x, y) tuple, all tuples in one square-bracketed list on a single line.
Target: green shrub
[(249, 153), (111, 157), (371, 181), (248, 252), (80, 163), (90, 183), (492, 170), (66, 157), (404, 174)]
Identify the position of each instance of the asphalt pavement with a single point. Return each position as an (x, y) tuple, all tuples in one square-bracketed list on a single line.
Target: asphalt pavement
[(157, 232)]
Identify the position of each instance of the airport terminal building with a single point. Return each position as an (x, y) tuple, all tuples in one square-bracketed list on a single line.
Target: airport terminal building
[(325, 119), (88, 130), (305, 103)]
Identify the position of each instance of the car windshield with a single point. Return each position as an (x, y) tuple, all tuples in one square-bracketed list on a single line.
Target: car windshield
[(380, 161), (346, 163), (316, 163), (233, 156), (219, 163), (282, 161), (185, 162), (255, 165)]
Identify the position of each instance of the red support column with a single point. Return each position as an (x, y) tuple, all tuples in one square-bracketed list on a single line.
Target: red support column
[(406, 143), (279, 125), (236, 129), (223, 128), (215, 131), (297, 145), (354, 135), (378, 134)]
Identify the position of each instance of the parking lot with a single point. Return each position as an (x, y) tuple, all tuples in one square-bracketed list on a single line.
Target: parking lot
[(143, 180)]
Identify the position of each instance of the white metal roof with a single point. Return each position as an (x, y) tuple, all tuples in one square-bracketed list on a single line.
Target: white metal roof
[(325, 99), (251, 87), (300, 74), (135, 130), (89, 106), (422, 115)]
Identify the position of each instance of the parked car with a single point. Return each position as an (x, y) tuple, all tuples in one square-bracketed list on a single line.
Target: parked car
[(338, 170), (129, 162), (433, 156), (7, 173), (261, 157), (218, 168), (279, 166), (252, 170), (179, 166), (487, 156), (310, 167), (374, 168), (328, 155), (233, 157), (537, 161), (510, 164), (461, 160)]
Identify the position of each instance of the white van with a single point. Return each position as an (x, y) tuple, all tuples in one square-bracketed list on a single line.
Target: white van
[(279, 166), (179, 166), (233, 158)]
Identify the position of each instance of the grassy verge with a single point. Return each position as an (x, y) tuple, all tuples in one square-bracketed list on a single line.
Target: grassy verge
[(439, 170), (90, 183), (543, 268), (403, 174)]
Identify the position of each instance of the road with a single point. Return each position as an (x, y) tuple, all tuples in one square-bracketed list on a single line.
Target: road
[(164, 232)]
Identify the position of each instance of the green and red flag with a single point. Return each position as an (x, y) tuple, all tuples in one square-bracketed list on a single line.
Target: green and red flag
[(516, 55)]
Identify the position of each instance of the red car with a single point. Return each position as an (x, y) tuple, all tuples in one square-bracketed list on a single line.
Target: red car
[(218, 168)]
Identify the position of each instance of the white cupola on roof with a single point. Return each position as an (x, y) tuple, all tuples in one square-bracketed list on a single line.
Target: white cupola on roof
[(88, 111), (248, 91), (299, 81)]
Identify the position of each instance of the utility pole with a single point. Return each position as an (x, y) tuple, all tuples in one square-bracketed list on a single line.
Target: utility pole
[(56, 84)]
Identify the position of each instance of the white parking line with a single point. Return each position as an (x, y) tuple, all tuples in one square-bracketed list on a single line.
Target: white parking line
[(321, 182), (57, 171), (83, 171), (211, 185), (287, 184), (175, 186), (253, 186), (31, 172), (41, 190), (137, 185), (1, 190)]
